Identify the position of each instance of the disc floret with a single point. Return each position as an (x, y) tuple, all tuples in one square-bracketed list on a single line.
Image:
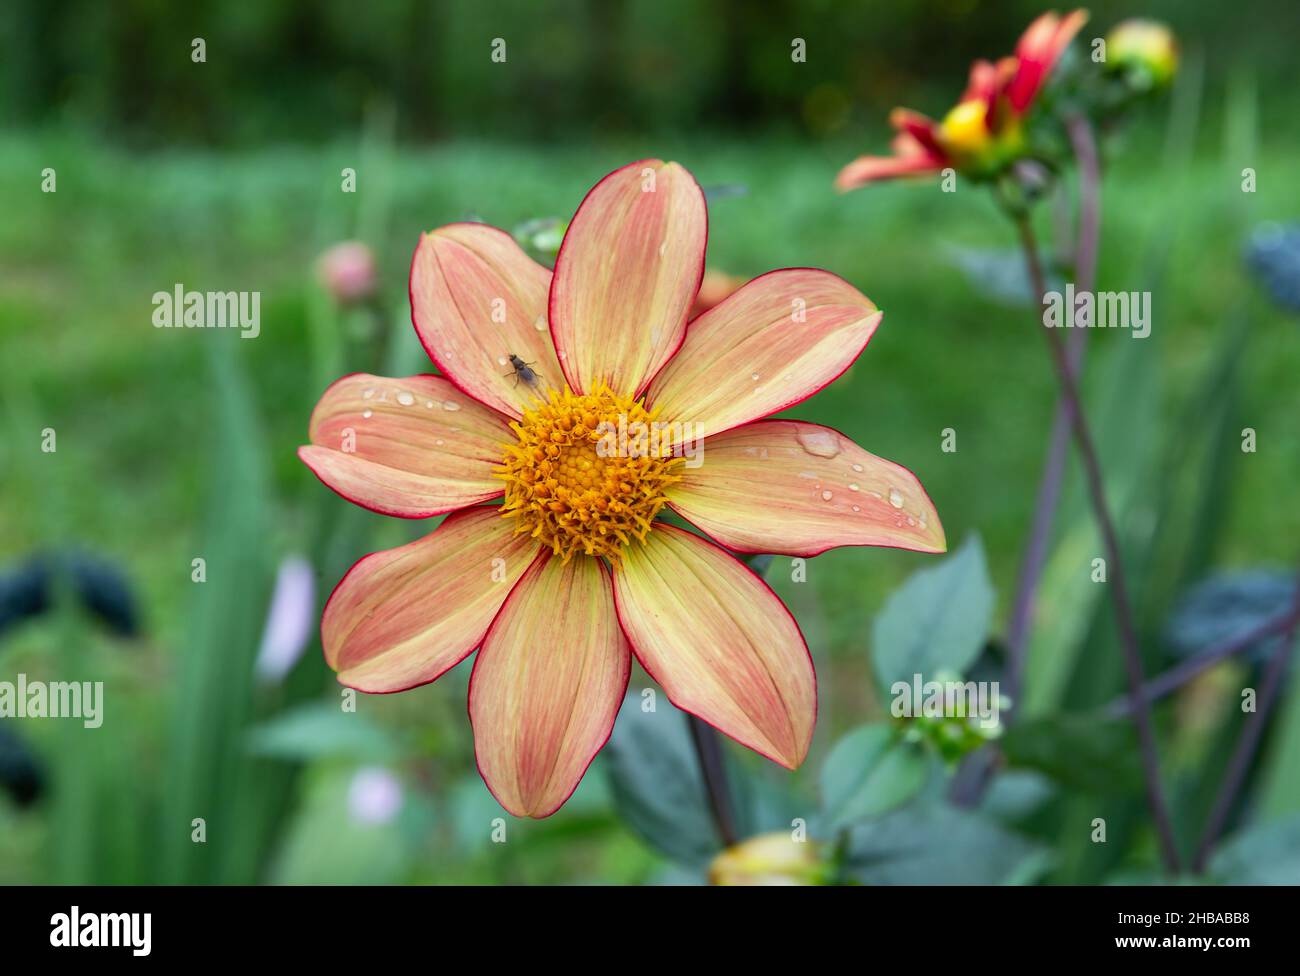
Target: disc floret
[(574, 484)]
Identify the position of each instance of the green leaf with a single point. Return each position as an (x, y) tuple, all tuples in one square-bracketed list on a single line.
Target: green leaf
[(1125, 412), (937, 620), (321, 730), (1263, 854), (936, 844), (870, 771), (656, 782), (210, 775), (1076, 751)]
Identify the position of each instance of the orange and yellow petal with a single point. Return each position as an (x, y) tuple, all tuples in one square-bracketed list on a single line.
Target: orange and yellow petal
[(547, 684), (871, 169), (785, 486), (402, 617), (476, 300), (411, 447), (775, 342), (719, 642), (627, 275)]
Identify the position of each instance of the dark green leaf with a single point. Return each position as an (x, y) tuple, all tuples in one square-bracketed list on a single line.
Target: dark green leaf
[(869, 772), (656, 782), (936, 621)]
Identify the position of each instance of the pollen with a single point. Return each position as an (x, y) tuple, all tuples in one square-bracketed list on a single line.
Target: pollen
[(587, 474)]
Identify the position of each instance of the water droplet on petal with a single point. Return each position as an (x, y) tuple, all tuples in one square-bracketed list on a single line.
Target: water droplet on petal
[(368, 393), (895, 498), (502, 361), (367, 414), (853, 487), (754, 377), (405, 399), (857, 467), (818, 441), (453, 405), (428, 404), (857, 508), (539, 323), (827, 496)]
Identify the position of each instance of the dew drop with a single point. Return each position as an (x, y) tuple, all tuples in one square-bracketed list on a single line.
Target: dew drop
[(857, 508), (501, 360), (754, 377), (405, 399), (895, 498), (453, 405), (539, 323), (853, 486), (367, 414), (368, 393), (438, 442), (818, 442), (428, 404), (827, 496), (563, 355), (857, 467)]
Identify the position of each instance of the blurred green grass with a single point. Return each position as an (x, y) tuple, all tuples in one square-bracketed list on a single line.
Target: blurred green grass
[(134, 409)]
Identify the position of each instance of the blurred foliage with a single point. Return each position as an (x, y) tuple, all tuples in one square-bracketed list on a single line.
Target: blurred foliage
[(284, 70)]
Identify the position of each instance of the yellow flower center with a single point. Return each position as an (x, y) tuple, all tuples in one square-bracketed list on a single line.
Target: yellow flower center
[(587, 474), (964, 131)]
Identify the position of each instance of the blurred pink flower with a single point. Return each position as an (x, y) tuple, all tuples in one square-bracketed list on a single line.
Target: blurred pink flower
[(347, 271), (374, 796), (290, 621)]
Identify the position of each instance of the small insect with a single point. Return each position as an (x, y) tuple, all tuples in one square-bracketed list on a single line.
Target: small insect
[(522, 371)]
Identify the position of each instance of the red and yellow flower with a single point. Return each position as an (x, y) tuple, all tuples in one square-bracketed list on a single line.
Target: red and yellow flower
[(984, 131), (574, 572)]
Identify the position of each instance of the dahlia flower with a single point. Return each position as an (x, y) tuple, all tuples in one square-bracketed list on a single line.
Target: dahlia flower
[(574, 572), (984, 132)]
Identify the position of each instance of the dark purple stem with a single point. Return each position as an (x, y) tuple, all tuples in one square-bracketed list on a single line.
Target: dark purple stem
[(976, 773), (1049, 489), (713, 768), (1251, 732), (1179, 675), (1114, 560)]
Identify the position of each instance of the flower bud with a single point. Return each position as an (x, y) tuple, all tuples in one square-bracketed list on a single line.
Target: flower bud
[(347, 270), (770, 859), (1144, 51)]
